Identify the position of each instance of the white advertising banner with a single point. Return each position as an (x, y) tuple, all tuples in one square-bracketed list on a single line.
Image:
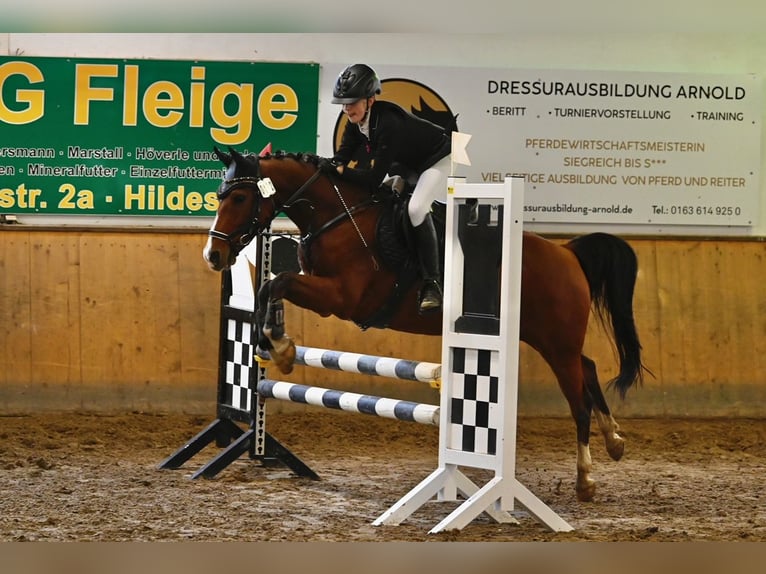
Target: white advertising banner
[(598, 146)]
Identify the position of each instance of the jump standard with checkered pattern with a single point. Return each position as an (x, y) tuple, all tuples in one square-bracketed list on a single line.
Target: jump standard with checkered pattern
[(480, 363)]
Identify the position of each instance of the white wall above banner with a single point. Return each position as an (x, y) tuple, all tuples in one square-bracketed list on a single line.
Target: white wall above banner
[(597, 147)]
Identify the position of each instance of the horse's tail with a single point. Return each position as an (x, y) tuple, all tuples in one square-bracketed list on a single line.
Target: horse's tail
[(611, 267)]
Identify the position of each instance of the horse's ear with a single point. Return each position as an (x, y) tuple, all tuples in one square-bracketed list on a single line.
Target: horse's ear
[(224, 157), (238, 157)]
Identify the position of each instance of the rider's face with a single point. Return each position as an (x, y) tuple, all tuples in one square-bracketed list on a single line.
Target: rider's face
[(355, 111)]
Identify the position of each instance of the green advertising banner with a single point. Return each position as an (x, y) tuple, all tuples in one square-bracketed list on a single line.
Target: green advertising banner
[(136, 137)]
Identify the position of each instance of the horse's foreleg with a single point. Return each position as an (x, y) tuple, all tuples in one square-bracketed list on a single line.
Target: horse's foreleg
[(615, 444), (282, 347), (270, 319), (321, 295)]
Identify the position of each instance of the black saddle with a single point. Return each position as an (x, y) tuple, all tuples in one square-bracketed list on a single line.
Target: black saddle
[(394, 233)]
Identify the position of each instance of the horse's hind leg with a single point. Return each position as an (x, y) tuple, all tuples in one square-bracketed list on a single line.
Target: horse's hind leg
[(615, 444), (570, 377)]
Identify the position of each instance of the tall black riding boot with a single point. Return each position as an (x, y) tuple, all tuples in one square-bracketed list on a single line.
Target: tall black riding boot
[(430, 297)]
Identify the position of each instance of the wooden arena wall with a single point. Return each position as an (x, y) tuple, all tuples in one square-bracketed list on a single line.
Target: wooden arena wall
[(116, 320)]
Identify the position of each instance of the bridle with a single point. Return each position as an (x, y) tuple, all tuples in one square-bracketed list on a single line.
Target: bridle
[(264, 189), (244, 234)]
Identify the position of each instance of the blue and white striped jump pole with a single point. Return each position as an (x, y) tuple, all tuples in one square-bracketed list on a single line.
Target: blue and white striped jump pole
[(404, 369), (351, 402)]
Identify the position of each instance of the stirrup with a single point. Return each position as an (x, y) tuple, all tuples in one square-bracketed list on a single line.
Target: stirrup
[(428, 305), (430, 299)]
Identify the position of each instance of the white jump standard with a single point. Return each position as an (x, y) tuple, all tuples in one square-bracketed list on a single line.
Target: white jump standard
[(480, 361)]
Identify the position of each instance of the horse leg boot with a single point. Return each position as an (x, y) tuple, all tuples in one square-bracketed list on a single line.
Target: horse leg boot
[(282, 347), (430, 296)]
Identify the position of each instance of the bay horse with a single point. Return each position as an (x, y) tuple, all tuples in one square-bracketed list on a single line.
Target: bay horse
[(346, 274)]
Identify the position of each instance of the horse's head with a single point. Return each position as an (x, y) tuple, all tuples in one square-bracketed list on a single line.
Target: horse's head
[(256, 189), (246, 207)]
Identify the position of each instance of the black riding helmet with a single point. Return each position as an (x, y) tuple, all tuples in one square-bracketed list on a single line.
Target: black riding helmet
[(356, 82)]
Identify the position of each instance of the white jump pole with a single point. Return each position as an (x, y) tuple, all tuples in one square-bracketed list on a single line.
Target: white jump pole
[(480, 364)]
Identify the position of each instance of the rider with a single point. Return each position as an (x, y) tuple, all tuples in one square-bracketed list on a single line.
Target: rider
[(389, 134)]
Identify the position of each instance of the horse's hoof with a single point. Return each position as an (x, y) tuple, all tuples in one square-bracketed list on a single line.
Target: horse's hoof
[(586, 492), (284, 364), (284, 367), (616, 448), (285, 358)]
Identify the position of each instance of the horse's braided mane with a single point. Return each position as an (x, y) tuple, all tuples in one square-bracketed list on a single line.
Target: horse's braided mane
[(301, 156)]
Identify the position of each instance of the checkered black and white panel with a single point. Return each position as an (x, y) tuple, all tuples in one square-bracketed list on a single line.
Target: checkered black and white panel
[(475, 415), (239, 362)]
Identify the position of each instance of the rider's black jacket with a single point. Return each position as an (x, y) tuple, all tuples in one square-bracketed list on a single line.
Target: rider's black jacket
[(396, 136)]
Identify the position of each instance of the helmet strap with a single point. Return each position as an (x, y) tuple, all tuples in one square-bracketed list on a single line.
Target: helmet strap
[(367, 106)]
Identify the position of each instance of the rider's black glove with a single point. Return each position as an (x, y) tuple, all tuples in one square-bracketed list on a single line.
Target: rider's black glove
[(326, 165)]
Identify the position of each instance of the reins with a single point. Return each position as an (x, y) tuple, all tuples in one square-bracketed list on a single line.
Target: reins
[(375, 264)]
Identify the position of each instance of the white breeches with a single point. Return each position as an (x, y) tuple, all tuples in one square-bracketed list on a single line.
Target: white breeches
[(431, 186)]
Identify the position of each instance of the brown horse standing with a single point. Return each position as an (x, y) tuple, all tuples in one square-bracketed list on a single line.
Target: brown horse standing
[(345, 275)]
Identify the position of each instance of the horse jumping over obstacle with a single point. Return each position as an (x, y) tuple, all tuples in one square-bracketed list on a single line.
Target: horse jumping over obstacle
[(346, 274)]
